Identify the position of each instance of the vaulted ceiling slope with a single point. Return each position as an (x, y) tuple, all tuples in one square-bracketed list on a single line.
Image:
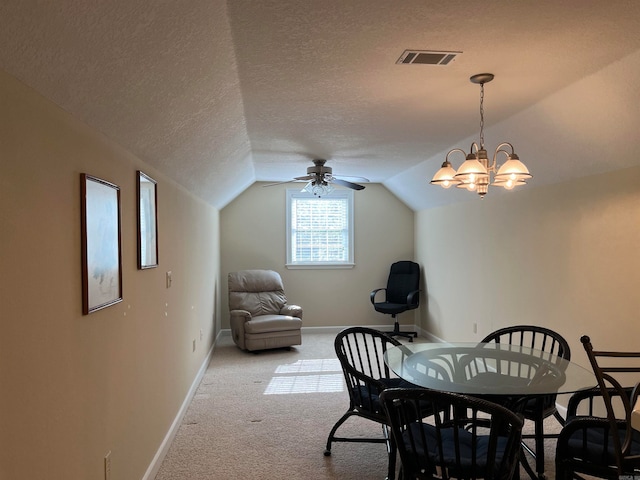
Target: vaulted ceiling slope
[(218, 94)]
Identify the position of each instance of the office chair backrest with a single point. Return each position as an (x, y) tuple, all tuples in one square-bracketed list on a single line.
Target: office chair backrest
[(404, 277)]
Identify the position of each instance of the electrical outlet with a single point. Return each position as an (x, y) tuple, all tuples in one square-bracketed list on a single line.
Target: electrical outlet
[(107, 466), (194, 345), (169, 279), (475, 328)]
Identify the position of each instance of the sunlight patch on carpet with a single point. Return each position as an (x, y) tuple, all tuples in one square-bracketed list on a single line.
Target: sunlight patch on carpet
[(311, 365), (289, 378), (285, 385)]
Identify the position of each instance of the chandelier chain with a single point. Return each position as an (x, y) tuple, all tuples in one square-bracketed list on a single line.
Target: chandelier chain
[(482, 115)]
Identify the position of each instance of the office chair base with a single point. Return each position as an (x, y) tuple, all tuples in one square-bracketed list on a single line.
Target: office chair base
[(397, 333)]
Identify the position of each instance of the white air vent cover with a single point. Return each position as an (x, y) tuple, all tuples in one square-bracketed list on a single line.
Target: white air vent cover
[(427, 57)]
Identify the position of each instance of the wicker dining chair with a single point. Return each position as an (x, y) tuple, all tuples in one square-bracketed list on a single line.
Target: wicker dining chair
[(467, 438), (361, 354), (548, 343), (597, 439)]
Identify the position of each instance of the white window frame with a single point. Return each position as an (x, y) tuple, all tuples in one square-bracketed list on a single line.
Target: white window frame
[(337, 193)]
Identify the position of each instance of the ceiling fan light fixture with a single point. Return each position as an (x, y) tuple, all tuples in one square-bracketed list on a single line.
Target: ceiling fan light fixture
[(319, 189)]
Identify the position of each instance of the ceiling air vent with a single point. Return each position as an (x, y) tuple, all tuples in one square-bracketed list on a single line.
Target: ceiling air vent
[(427, 57)]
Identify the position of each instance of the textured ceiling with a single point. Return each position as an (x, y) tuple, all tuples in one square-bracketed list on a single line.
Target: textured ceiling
[(217, 94)]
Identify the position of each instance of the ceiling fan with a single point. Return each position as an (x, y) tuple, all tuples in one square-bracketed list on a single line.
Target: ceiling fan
[(320, 179)]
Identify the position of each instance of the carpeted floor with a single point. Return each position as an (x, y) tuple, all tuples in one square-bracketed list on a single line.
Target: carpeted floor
[(267, 415)]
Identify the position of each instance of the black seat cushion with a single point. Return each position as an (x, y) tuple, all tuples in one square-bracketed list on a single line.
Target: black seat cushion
[(465, 440), (588, 443), (368, 398), (390, 308)]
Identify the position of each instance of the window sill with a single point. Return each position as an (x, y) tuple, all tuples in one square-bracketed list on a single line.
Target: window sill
[(318, 266)]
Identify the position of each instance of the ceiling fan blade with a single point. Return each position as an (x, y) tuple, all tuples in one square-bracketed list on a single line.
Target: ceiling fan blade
[(353, 177), (278, 183), (323, 175), (344, 183), (295, 179)]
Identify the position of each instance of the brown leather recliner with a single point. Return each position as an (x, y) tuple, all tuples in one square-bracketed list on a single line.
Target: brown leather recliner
[(260, 316)]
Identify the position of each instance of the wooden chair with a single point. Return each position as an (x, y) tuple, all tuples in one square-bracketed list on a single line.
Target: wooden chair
[(597, 439)]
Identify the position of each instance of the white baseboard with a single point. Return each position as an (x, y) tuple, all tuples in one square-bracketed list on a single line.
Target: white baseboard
[(430, 336), (155, 464), (336, 329)]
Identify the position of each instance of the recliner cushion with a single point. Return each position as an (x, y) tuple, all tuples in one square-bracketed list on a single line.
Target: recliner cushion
[(260, 292), (272, 323)]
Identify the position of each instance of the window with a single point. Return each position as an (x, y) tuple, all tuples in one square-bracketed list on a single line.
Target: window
[(319, 230)]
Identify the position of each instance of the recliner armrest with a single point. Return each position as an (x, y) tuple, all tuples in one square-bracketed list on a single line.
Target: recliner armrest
[(241, 314), (237, 320), (291, 310)]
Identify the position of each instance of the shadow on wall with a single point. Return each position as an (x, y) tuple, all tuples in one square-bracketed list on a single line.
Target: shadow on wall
[(430, 311), (216, 321)]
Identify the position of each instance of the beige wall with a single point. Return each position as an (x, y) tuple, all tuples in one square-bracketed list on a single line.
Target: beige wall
[(74, 387), (253, 236), (563, 256)]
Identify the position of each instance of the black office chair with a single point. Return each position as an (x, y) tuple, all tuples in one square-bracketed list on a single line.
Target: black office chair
[(535, 409), (469, 438), (605, 447), (402, 293)]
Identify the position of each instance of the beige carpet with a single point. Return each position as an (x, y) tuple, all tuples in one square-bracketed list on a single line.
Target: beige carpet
[(267, 415)]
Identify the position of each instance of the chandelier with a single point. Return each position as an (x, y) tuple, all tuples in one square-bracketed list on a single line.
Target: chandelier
[(476, 174)]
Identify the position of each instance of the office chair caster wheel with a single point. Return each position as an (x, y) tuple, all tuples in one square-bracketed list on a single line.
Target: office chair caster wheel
[(327, 453)]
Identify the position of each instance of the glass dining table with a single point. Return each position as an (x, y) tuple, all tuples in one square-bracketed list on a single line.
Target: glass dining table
[(487, 369), (506, 371)]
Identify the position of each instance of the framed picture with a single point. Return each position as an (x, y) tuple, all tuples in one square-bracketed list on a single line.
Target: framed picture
[(147, 221), (101, 245)]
